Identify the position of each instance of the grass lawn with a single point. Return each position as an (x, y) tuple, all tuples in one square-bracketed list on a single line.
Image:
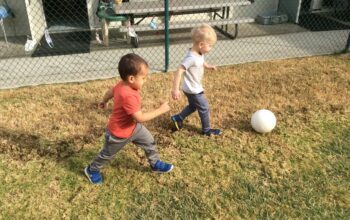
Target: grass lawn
[(48, 134)]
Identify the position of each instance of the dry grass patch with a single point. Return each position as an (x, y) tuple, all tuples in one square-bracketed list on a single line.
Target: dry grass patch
[(300, 170)]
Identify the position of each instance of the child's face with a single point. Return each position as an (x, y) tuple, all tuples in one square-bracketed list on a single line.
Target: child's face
[(205, 47), (137, 81)]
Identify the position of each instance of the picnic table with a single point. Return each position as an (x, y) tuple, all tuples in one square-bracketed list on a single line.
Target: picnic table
[(140, 10)]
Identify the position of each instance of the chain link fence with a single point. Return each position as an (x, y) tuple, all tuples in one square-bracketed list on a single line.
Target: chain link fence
[(50, 41)]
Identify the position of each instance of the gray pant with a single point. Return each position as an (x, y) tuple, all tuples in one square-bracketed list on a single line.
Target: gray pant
[(140, 137), (200, 103)]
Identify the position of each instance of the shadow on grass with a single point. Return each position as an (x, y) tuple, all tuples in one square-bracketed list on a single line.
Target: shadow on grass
[(194, 130), (23, 146), (121, 160), (163, 123), (339, 146), (242, 125), (69, 153)]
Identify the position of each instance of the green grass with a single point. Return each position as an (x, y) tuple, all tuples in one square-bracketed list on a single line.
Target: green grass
[(48, 134)]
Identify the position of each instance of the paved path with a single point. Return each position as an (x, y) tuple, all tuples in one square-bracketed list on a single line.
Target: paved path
[(18, 72)]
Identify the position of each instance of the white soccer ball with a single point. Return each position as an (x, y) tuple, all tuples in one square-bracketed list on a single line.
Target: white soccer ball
[(263, 121)]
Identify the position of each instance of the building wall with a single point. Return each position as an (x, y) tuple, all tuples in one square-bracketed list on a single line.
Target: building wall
[(36, 18), (258, 7), (30, 19), (19, 25)]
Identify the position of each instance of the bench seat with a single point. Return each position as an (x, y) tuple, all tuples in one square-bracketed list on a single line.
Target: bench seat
[(140, 8), (190, 24)]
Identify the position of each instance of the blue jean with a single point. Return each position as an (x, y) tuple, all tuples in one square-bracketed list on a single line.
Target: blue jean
[(200, 103)]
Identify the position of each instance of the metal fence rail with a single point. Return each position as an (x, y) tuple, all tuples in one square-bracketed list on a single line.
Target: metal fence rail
[(49, 41)]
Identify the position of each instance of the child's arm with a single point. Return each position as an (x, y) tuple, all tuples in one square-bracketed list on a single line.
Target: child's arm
[(175, 92), (210, 67), (143, 117), (107, 96)]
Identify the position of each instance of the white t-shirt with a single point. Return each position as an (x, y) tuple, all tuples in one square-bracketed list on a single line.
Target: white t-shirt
[(194, 66)]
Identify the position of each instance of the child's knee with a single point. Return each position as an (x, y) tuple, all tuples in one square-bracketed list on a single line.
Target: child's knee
[(203, 108)]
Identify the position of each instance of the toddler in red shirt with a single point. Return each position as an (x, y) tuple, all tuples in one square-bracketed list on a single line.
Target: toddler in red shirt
[(124, 124)]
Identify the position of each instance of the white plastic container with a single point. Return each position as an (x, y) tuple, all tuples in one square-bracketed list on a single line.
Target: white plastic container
[(4, 12), (272, 18)]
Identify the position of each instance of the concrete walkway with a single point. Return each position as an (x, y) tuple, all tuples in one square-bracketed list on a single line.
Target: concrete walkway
[(19, 72)]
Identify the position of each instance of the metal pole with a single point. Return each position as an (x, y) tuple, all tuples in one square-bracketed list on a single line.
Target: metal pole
[(347, 47), (166, 30)]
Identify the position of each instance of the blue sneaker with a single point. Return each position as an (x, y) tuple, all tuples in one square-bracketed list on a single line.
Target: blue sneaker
[(212, 132), (161, 167), (177, 120), (93, 176)]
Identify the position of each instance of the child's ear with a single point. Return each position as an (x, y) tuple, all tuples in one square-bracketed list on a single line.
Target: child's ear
[(131, 79)]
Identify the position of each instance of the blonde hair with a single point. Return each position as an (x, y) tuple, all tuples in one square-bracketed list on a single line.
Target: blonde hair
[(203, 33)]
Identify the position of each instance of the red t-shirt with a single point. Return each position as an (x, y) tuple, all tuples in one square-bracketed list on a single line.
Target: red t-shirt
[(127, 101)]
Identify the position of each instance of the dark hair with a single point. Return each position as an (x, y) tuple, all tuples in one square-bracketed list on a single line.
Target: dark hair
[(130, 64)]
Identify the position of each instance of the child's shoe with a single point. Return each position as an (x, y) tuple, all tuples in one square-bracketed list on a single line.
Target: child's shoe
[(177, 120), (212, 132), (93, 176), (161, 167)]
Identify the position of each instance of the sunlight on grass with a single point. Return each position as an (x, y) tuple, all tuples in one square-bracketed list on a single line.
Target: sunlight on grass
[(48, 134)]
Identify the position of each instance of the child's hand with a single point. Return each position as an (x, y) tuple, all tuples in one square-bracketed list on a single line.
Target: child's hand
[(102, 105), (164, 107), (211, 67), (175, 94)]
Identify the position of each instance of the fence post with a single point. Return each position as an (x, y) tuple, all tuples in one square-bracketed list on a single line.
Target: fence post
[(166, 30), (347, 46)]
